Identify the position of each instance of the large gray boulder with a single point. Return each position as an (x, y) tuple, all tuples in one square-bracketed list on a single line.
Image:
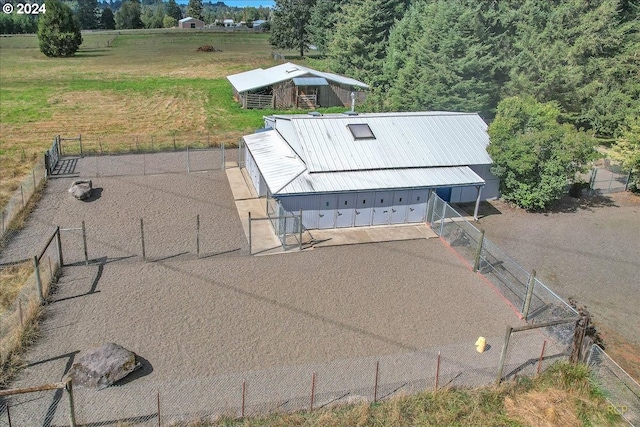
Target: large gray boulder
[(81, 189), (100, 367)]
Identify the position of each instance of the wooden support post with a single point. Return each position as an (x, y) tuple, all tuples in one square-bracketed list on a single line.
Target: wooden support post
[(300, 226), (84, 242), (158, 406), (375, 387), (60, 258), (72, 412), (223, 155), (188, 164), (144, 253), (578, 336), (544, 344), (198, 235), (244, 394), (33, 175), (527, 301), (20, 312), (476, 263), (38, 279), (80, 141), (250, 253), (8, 416), (503, 355), (435, 387), (313, 390)]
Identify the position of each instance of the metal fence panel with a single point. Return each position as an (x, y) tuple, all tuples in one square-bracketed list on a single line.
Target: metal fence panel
[(622, 391)]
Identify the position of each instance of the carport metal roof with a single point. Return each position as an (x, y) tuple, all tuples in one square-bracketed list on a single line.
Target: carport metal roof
[(258, 78)]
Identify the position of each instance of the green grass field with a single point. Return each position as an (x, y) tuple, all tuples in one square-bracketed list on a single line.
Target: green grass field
[(121, 83)]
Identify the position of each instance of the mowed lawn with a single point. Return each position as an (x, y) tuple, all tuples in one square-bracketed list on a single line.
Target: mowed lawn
[(122, 83)]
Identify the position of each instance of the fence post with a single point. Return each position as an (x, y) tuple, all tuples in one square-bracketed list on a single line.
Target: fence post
[(158, 404), (503, 355), (198, 235), (20, 312), (313, 390), (578, 336), (476, 263), (300, 225), (544, 344), (527, 300), (80, 140), (8, 416), (36, 266), (60, 258), (72, 412), (22, 194), (444, 212), (435, 387), (33, 175), (284, 234), (250, 253), (592, 183), (3, 229), (144, 254), (375, 387), (223, 156), (84, 242), (188, 164), (626, 184), (244, 393)]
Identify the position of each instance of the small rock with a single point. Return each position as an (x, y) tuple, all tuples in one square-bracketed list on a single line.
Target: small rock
[(100, 367), (81, 189)]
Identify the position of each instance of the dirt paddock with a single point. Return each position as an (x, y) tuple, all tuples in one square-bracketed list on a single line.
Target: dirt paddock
[(227, 311)]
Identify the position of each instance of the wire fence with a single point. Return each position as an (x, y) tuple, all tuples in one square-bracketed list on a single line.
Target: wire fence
[(41, 273), (290, 388), (607, 177), (622, 391)]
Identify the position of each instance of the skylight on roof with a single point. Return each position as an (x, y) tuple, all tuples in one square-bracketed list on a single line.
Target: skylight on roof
[(291, 70), (361, 131)]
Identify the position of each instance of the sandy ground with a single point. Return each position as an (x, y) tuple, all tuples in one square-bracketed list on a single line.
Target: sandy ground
[(587, 249), (227, 312)]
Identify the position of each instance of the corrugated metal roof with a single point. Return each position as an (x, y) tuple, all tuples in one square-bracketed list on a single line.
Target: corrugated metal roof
[(258, 78), (410, 150), (402, 140), (331, 182), (310, 81)]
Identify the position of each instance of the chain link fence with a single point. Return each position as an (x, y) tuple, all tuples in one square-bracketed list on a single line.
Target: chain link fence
[(182, 402), (608, 177), (622, 391)]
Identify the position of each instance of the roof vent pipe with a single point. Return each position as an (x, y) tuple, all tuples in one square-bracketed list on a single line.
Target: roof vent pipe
[(353, 102)]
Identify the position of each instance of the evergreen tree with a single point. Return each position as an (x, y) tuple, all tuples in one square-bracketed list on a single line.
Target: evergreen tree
[(358, 47), (194, 9), (87, 13), (289, 25), (627, 149), (322, 22), (441, 58), (107, 20), (173, 10), (169, 22), (128, 16), (58, 31)]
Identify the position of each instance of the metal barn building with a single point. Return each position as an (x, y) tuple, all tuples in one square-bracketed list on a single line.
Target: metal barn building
[(190, 22), (290, 85), (351, 170)]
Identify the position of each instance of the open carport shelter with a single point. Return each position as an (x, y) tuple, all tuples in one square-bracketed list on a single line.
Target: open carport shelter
[(351, 170), (290, 85)]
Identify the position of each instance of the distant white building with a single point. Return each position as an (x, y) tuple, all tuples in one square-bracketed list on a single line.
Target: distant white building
[(257, 24), (190, 22), (228, 23)]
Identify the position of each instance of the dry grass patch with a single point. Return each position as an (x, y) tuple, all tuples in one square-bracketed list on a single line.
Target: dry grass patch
[(548, 408), (12, 280)]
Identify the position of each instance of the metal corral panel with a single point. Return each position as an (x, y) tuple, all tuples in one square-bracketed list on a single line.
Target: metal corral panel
[(381, 179), (259, 78), (309, 205), (277, 162), (402, 140)]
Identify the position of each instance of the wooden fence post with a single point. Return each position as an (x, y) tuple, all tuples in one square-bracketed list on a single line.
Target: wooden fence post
[(250, 253), (313, 390), (72, 412), (144, 254), (375, 387), (544, 344), (60, 258), (84, 242), (578, 336), (198, 235), (503, 355), (476, 264), (38, 279), (435, 387), (527, 300)]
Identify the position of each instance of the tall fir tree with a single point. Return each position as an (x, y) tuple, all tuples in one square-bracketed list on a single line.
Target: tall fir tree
[(87, 13), (173, 10), (58, 31), (290, 25), (107, 20), (128, 16), (194, 9)]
